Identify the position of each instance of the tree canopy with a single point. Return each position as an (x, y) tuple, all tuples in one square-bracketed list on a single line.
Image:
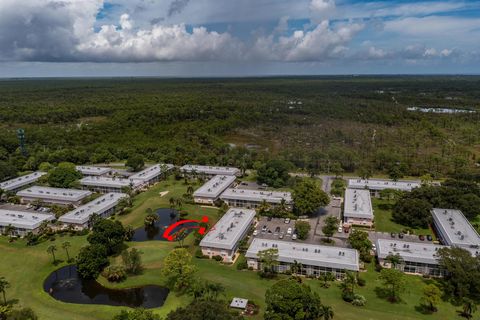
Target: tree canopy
[(202, 310), (308, 197), (178, 269), (274, 173), (64, 175)]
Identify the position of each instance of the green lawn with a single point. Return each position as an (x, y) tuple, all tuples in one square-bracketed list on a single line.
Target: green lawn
[(385, 223), (27, 267)]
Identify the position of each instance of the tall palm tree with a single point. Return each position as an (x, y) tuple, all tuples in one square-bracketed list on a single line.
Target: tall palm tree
[(327, 312), (51, 249), (190, 190), (296, 267), (65, 247), (172, 202), (4, 285), (349, 282)]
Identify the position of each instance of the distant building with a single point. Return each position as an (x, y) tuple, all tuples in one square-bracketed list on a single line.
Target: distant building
[(16, 184), (211, 190), (454, 229), (210, 171), (223, 239), (53, 195), (244, 198), (314, 259), (94, 171), (104, 206), (104, 184), (377, 185), (416, 257), (358, 207), (22, 222), (151, 174)]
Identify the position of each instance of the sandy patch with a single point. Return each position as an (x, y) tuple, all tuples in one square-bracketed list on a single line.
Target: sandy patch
[(163, 193)]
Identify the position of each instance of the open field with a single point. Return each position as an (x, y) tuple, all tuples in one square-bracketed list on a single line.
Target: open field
[(27, 267)]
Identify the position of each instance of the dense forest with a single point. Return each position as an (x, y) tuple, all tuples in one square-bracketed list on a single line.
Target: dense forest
[(319, 124)]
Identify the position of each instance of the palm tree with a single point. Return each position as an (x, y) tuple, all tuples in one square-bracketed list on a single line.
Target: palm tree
[(8, 231), (469, 307), (150, 219), (93, 219), (4, 285), (65, 247), (190, 190), (326, 277), (264, 207), (172, 202), (51, 249), (349, 282), (394, 259), (327, 312), (179, 203), (296, 267)]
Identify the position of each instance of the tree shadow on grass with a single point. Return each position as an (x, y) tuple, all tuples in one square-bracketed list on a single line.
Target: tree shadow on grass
[(423, 309), (384, 294)]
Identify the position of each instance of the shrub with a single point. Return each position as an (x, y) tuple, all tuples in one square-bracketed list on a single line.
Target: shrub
[(348, 296), (361, 282), (242, 263), (114, 273), (218, 258), (199, 254), (359, 300)]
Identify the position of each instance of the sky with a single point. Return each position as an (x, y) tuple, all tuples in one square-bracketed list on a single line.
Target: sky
[(204, 38)]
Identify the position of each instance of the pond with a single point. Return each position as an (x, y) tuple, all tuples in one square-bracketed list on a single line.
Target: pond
[(165, 218), (65, 285)]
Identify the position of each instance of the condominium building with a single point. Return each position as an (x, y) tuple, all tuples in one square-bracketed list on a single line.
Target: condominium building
[(223, 239), (94, 171), (151, 174), (53, 195), (244, 198), (21, 222), (211, 190), (313, 259), (210, 171), (104, 184), (16, 184), (104, 206), (454, 229), (358, 207), (416, 257), (377, 185)]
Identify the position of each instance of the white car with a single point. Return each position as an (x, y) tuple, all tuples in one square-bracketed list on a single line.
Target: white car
[(340, 229), (287, 220), (255, 232), (289, 231), (294, 236)]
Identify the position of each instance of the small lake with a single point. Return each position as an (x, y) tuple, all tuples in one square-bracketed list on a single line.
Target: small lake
[(65, 285), (166, 217)]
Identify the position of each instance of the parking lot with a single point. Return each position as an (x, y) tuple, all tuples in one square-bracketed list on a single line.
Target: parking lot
[(374, 235), (25, 208), (275, 228)]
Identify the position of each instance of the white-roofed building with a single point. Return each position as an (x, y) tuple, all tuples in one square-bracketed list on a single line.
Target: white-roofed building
[(314, 259), (104, 184), (416, 257), (16, 184), (104, 206), (358, 207), (22, 222), (151, 174), (94, 171), (210, 171), (212, 189), (239, 303), (454, 229), (245, 198), (377, 185), (53, 195), (223, 239)]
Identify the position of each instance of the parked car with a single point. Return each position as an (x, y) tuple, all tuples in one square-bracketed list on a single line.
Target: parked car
[(280, 236), (374, 247), (340, 229), (287, 220), (400, 235), (269, 219), (264, 228), (269, 231), (392, 235), (289, 231), (294, 236), (421, 237), (255, 232), (277, 231), (429, 237)]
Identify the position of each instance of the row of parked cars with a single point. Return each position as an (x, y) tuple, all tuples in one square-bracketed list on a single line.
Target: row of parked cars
[(420, 237), (278, 232)]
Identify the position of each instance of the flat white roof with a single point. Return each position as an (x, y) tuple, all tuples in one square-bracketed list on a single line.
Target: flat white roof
[(256, 195), (92, 170), (54, 193), (215, 186), (98, 206), (24, 220), (239, 303), (409, 251), (110, 182), (229, 229), (308, 254), (381, 184), (455, 227), (19, 182), (358, 204), (210, 170), (151, 172)]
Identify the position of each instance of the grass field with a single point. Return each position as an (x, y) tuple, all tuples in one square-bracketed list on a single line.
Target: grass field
[(27, 267)]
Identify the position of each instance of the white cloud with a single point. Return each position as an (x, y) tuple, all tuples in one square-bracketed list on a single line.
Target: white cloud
[(322, 9)]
